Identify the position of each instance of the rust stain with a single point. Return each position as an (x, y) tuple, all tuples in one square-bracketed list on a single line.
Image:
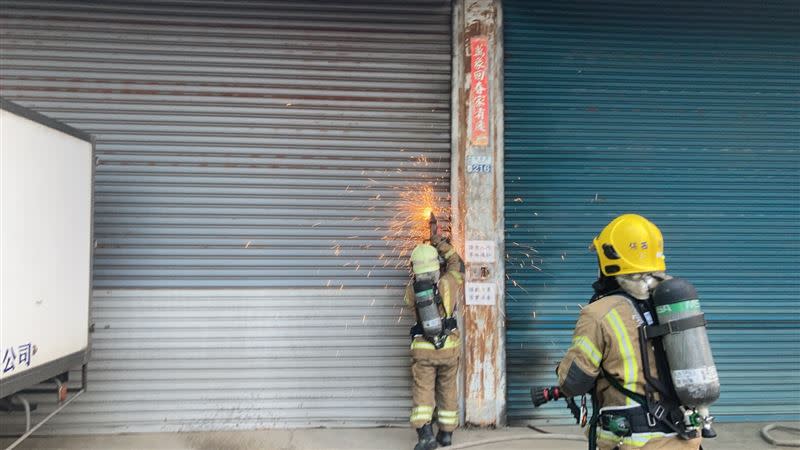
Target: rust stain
[(482, 374)]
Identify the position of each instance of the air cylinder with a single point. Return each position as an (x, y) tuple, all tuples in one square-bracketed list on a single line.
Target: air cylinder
[(427, 309), (688, 350)]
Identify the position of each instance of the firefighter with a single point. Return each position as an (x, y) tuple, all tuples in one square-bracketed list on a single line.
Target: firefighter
[(606, 354), (434, 293)]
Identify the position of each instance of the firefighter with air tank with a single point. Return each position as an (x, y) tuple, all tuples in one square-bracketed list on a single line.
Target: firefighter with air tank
[(640, 349), (434, 293)]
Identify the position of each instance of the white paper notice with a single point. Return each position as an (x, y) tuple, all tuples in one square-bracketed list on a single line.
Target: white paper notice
[(480, 251), (480, 293)]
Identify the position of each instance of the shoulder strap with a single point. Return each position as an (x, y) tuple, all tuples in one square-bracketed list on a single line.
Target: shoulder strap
[(664, 409), (437, 296), (638, 398), (652, 382)]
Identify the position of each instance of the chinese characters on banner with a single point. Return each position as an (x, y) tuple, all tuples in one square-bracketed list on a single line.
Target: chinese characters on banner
[(479, 91)]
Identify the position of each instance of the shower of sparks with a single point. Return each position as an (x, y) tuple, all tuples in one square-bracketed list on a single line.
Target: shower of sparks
[(520, 286), (410, 224), (409, 206), (521, 259)]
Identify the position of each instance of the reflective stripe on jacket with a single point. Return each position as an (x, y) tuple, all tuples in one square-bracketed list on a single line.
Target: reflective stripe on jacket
[(607, 336)]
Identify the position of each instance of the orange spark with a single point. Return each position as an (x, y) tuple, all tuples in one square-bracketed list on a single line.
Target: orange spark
[(410, 224)]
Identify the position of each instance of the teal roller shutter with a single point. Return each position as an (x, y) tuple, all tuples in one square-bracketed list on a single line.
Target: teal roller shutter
[(685, 112)]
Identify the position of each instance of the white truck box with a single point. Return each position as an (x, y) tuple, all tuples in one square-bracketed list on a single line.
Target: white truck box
[(46, 175)]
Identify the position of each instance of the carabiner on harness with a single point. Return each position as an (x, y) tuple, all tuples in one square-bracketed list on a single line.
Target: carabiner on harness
[(584, 412)]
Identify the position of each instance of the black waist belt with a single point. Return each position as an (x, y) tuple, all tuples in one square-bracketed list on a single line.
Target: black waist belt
[(640, 421), (449, 324)]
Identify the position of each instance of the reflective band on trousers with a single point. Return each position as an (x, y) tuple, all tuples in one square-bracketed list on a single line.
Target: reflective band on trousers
[(422, 414), (447, 417), (588, 348), (626, 348), (449, 343), (634, 440)]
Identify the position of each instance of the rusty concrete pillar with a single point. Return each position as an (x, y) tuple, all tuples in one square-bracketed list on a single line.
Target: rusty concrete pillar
[(477, 201)]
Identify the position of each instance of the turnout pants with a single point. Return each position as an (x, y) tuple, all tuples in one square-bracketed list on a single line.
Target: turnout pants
[(434, 387)]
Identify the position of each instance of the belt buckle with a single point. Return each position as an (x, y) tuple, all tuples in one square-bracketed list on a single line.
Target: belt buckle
[(659, 412), (651, 421)]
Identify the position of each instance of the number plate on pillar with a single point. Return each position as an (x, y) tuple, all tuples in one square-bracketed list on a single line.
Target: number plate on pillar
[(479, 164)]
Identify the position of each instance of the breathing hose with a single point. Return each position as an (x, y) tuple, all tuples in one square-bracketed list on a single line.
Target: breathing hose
[(780, 442), (540, 436)]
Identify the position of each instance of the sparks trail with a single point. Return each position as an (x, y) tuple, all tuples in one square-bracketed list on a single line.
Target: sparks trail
[(410, 226), (524, 256), (410, 204)]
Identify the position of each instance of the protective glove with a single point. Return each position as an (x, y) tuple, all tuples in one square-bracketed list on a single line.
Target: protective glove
[(439, 239), (443, 246)]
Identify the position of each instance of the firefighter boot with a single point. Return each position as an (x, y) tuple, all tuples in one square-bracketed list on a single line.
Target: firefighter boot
[(426, 440), (708, 432), (444, 438)]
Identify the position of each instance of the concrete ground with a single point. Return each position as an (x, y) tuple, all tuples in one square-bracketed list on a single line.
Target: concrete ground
[(731, 437)]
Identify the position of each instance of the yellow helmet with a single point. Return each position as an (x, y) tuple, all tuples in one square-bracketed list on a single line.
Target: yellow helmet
[(630, 244), (424, 258)]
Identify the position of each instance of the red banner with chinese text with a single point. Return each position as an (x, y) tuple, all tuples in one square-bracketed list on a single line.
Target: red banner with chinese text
[(479, 91)]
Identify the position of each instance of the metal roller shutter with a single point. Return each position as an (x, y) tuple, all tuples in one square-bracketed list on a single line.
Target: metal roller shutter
[(255, 150), (684, 112)]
